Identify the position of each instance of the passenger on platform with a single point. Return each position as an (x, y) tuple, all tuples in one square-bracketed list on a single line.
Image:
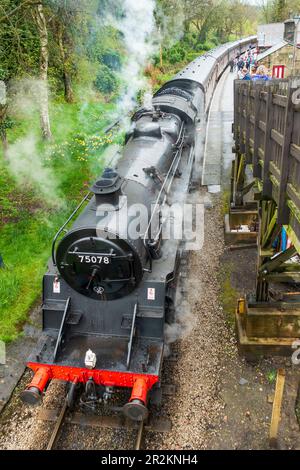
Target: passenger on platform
[(240, 74), (248, 62), (261, 74), (246, 74), (231, 64), (240, 64)]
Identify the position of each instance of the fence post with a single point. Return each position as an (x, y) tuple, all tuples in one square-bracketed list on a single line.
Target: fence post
[(247, 130), (283, 210), (267, 185), (256, 166)]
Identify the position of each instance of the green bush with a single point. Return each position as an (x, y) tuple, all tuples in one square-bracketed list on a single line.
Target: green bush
[(194, 55), (207, 45), (111, 59), (176, 53), (106, 81)]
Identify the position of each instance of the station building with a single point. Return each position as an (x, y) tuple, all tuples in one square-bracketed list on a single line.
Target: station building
[(279, 47)]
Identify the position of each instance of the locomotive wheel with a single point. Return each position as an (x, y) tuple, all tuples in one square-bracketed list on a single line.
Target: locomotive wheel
[(73, 392), (170, 311), (155, 396)]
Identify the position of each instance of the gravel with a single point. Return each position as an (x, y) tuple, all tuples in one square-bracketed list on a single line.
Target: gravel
[(221, 402), (196, 408)]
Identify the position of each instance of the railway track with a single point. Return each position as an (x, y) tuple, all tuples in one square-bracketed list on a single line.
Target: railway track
[(114, 422), (64, 416)]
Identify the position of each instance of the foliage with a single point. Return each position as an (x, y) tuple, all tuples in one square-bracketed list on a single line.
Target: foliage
[(106, 82), (279, 10), (8, 123), (75, 156), (176, 53), (201, 20), (271, 376)]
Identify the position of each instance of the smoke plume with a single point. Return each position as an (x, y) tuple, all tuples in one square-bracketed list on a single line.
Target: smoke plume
[(25, 160), (138, 29), (27, 167)]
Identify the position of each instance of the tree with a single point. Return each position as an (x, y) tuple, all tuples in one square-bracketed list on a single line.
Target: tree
[(266, 9), (279, 11), (39, 17), (62, 22)]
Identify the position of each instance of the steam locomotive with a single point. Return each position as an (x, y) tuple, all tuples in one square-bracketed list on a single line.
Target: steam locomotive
[(107, 294)]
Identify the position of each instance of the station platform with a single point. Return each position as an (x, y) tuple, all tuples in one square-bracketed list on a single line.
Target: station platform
[(219, 140)]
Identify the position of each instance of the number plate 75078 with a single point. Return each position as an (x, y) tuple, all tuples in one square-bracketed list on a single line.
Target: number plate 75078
[(94, 259)]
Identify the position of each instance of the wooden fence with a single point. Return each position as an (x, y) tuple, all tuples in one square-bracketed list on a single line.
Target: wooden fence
[(267, 132)]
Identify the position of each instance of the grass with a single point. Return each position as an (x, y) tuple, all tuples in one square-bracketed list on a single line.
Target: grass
[(271, 376), (225, 202), (28, 219)]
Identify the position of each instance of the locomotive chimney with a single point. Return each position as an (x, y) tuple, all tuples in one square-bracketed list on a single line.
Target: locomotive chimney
[(107, 189)]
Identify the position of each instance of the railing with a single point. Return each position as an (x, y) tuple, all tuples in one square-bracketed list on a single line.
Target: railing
[(267, 132)]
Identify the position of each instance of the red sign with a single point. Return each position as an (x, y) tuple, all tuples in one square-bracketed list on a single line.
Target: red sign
[(278, 71)]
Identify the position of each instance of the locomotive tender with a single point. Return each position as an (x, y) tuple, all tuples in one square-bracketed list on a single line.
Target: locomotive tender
[(106, 296)]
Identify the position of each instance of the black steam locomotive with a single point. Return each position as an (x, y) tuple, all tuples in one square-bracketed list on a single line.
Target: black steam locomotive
[(108, 293)]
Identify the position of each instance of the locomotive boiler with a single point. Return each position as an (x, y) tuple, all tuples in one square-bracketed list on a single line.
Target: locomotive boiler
[(111, 282)]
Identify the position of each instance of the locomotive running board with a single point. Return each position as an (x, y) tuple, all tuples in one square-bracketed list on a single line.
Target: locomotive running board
[(113, 422)]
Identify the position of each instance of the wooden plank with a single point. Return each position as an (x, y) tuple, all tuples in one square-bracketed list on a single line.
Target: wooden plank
[(247, 123), (293, 195), (236, 113), (113, 421), (283, 277), (255, 158), (270, 326), (277, 137), (280, 100), (275, 170), (267, 185), (283, 210), (295, 151), (276, 412), (262, 125)]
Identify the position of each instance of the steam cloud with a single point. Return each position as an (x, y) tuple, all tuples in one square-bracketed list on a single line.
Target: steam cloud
[(25, 161), (183, 325), (139, 32)]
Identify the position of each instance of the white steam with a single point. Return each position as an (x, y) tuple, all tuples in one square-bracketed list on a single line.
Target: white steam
[(184, 323), (139, 36), (25, 161), (25, 164)]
